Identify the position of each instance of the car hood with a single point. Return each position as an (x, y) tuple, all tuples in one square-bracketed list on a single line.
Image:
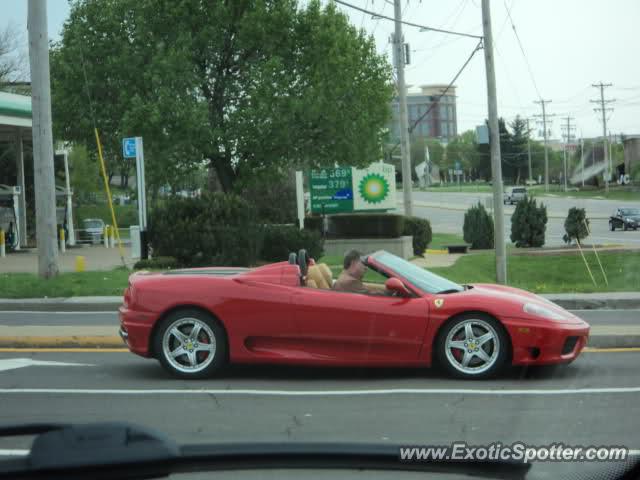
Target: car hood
[(635, 218), (513, 299)]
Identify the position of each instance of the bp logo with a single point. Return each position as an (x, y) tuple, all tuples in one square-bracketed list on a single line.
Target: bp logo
[(374, 188)]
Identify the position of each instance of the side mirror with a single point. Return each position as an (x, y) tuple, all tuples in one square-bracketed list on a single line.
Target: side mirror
[(395, 285)]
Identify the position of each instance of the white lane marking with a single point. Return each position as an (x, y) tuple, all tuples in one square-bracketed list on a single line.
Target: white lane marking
[(321, 393), (13, 452), (13, 363), (39, 312)]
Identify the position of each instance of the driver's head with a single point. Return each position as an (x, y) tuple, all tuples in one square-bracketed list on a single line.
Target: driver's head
[(353, 264)]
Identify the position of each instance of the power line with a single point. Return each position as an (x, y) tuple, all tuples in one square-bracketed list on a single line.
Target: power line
[(377, 17), (457, 12), (444, 92), (410, 24), (364, 15), (522, 50)]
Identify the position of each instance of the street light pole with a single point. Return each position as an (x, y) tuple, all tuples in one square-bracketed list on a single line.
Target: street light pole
[(494, 138)]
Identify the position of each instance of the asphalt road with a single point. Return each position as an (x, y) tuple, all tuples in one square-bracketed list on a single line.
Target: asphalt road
[(446, 220), (594, 401), (594, 317)]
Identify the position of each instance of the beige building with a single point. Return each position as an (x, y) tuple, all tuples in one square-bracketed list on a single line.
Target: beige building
[(441, 122)]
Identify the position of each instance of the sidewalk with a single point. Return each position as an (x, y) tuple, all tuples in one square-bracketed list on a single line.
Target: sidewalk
[(97, 257)]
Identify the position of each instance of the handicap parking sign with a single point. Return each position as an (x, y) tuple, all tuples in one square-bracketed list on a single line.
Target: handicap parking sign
[(129, 147)]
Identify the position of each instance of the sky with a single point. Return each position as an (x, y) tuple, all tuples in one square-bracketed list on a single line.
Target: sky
[(566, 45)]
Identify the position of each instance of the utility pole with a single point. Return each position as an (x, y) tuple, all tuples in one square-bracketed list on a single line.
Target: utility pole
[(494, 139), (582, 156), (405, 149), (568, 138), (610, 153), (529, 150), (44, 181), (546, 140), (604, 111)]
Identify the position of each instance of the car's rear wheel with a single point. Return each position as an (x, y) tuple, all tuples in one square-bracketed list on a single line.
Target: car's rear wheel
[(612, 226), (190, 343), (625, 227), (473, 345)]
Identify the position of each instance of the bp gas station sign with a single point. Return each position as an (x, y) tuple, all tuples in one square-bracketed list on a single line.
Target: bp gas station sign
[(348, 189)]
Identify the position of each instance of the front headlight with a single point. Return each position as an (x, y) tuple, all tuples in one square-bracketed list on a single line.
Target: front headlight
[(541, 311)]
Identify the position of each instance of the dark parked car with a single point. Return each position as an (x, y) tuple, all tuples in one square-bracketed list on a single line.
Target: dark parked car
[(625, 218)]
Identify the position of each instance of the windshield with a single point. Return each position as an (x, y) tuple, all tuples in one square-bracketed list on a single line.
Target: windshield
[(630, 211), (423, 279), (92, 224)]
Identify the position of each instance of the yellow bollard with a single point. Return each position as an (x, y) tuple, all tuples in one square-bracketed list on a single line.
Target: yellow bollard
[(80, 264), (3, 251), (63, 246), (106, 236)]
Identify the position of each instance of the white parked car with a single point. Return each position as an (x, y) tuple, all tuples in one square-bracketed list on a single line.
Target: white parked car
[(514, 195)]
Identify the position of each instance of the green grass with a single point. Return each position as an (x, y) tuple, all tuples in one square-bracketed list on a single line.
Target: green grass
[(551, 274), (26, 285), (439, 240), (539, 274)]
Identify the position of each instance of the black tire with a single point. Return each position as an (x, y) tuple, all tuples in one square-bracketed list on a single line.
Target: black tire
[(624, 226), (501, 341), (612, 226), (209, 326)]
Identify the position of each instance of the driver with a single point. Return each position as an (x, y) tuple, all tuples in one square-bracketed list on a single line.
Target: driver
[(350, 280)]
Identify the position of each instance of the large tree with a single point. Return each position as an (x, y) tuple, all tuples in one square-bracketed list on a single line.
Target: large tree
[(463, 148), (235, 85), (11, 61)]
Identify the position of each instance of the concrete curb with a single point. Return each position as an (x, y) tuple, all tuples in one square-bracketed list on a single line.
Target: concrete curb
[(73, 304), (74, 341)]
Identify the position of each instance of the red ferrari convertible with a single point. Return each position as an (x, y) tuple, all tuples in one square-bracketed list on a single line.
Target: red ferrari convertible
[(195, 321)]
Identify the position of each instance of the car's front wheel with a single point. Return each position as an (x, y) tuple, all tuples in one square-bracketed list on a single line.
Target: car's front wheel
[(612, 226), (472, 346), (190, 343)]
